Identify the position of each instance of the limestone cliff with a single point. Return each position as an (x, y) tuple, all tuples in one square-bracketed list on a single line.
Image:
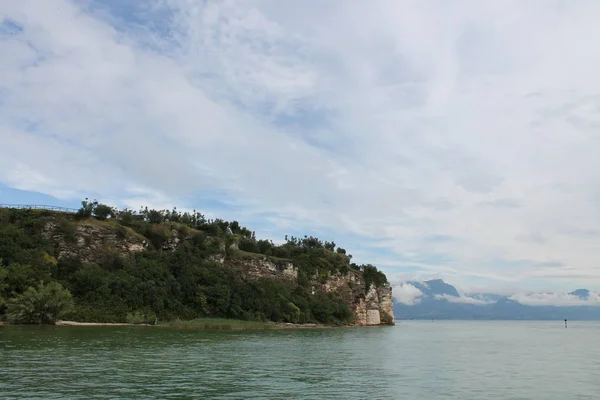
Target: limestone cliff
[(92, 242), (371, 306)]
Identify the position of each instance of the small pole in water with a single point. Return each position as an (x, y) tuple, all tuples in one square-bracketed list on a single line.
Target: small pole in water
[(565, 323)]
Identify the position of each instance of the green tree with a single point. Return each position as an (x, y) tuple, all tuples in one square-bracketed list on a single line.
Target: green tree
[(102, 211), (373, 276), (3, 284), (87, 209), (45, 304)]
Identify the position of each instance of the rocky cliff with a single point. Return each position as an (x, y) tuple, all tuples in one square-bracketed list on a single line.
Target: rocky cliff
[(92, 242), (371, 306)]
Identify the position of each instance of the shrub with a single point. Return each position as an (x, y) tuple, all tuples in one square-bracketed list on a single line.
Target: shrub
[(248, 245), (45, 304), (102, 211), (141, 317), (264, 246), (373, 276), (3, 284), (198, 239), (68, 231), (86, 210), (121, 232)]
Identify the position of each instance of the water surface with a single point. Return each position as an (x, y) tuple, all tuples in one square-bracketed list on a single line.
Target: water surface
[(413, 360)]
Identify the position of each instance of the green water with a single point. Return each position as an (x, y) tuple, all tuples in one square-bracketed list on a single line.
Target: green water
[(413, 360)]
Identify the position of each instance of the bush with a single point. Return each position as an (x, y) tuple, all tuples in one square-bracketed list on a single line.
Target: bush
[(3, 284), (45, 304), (248, 245), (126, 217), (141, 317), (373, 276), (263, 246), (121, 232), (86, 210), (102, 211)]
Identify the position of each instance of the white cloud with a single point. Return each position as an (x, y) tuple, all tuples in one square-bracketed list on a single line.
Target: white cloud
[(392, 120), (462, 299), (407, 294), (556, 299)]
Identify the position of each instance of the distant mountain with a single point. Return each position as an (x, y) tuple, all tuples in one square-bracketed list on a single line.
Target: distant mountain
[(583, 294), (487, 297), (440, 300), (436, 287)]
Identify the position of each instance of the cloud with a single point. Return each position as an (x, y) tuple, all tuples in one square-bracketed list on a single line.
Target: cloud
[(462, 299), (407, 294), (390, 123), (556, 299), (501, 203)]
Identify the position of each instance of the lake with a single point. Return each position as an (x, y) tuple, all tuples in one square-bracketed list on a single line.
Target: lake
[(413, 360)]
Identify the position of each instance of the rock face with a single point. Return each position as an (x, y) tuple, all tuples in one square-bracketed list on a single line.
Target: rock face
[(92, 243), (375, 308), (263, 267), (371, 307)]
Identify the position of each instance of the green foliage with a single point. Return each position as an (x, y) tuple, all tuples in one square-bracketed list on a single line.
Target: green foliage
[(42, 305), (93, 208), (102, 211), (87, 209), (248, 245), (386, 318), (3, 284), (121, 232), (326, 308), (182, 284), (141, 317), (264, 246), (126, 217), (373, 276)]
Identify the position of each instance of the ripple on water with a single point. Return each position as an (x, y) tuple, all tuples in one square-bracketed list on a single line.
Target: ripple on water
[(451, 360)]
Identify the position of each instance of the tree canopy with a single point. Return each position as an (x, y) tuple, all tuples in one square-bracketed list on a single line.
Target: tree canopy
[(185, 282)]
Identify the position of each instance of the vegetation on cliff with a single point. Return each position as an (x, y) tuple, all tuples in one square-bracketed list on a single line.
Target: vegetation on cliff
[(176, 275), (45, 304)]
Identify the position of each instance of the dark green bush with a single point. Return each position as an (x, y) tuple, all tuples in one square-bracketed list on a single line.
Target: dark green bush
[(44, 304)]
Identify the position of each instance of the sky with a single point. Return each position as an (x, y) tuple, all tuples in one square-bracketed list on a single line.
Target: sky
[(434, 139)]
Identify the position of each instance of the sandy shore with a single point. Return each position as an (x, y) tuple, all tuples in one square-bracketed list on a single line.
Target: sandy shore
[(74, 323), (281, 325)]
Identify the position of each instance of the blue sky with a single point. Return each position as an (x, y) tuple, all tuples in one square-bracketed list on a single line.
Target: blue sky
[(431, 138)]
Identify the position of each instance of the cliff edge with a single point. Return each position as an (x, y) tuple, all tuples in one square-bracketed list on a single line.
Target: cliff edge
[(137, 264)]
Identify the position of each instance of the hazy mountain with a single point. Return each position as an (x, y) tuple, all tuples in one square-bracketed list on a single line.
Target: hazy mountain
[(440, 300), (583, 294), (435, 287)]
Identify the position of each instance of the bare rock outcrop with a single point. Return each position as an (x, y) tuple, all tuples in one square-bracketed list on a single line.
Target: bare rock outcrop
[(91, 243), (371, 307)]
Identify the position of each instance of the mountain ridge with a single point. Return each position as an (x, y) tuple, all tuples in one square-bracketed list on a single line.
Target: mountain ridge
[(440, 300)]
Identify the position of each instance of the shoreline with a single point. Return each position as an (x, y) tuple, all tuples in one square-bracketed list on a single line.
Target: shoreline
[(210, 324), (267, 325), (75, 323), (224, 325)]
